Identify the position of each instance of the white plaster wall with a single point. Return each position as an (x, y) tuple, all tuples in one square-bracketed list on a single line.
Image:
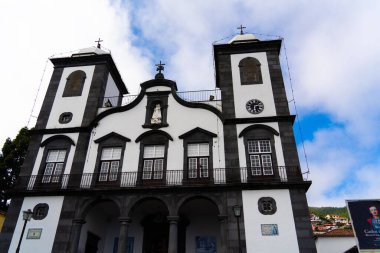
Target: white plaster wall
[(48, 225), (111, 88), (36, 167), (334, 244), (158, 88), (75, 105), (180, 119), (286, 241), (244, 93), (277, 144)]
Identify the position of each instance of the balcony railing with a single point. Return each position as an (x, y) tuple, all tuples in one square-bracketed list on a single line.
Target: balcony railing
[(169, 178), (189, 96)]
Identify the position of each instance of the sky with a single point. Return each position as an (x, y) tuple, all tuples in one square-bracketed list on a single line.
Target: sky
[(332, 49)]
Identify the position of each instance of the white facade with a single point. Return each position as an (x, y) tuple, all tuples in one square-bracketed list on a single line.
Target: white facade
[(286, 240)]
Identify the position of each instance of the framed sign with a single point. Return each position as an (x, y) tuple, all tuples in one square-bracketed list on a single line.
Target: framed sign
[(365, 217), (269, 229), (34, 233)]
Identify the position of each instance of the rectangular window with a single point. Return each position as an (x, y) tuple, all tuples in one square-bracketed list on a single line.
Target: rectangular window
[(153, 166), (54, 166), (109, 163), (198, 160), (260, 156)]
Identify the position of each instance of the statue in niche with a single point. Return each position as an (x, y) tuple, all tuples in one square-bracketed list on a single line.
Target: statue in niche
[(156, 116)]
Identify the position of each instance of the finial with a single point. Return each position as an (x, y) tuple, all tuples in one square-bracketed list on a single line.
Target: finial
[(160, 67), (241, 29), (98, 41)]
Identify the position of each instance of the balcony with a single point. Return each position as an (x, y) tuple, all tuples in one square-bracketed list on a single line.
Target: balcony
[(168, 179), (210, 97)]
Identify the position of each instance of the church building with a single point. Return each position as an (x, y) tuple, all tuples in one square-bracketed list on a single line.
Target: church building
[(164, 171)]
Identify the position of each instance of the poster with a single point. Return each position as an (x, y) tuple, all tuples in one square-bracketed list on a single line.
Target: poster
[(205, 244), (365, 217), (269, 229)]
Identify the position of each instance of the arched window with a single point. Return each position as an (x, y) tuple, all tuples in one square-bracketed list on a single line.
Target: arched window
[(250, 71), (74, 84)]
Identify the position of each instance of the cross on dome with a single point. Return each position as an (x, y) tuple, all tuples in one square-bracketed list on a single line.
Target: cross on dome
[(241, 29), (98, 41), (160, 67)]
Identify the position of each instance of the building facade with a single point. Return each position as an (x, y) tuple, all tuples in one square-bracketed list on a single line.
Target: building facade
[(163, 171)]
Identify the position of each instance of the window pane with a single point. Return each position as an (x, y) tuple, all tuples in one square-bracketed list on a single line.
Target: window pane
[(57, 172), (61, 155), (160, 151), (267, 164), (49, 169), (158, 168), (255, 160), (253, 147), (204, 149), (192, 167), (52, 156), (116, 154), (192, 150), (114, 170), (147, 169), (104, 167), (204, 167), (149, 152), (265, 146)]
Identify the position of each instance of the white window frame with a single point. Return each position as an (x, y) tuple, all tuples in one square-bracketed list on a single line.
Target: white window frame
[(198, 156), (260, 157), (110, 163), (153, 162), (55, 164)]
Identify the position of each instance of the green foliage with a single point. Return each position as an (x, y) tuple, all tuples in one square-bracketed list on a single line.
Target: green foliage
[(323, 211), (13, 155)]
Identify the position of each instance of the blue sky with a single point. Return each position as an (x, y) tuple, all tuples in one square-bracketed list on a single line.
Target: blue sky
[(332, 49)]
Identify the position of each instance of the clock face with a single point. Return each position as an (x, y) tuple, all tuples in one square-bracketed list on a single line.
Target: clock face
[(254, 106)]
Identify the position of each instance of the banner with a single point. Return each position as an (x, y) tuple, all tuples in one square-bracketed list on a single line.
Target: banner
[(365, 218)]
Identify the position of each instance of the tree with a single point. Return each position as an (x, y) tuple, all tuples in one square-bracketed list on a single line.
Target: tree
[(13, 155)]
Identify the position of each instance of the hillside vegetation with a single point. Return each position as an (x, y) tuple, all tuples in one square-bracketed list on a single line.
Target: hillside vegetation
[(323, 211)]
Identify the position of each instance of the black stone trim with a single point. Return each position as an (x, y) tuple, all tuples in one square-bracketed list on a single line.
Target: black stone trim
[(302, 220), (197, 130), (112, 135), (40, 211), (260, 205), (60, 130), (65, 117), (93, 60), (255, 46), (57, 138), (153, 132), (51, 92), (233, 121), (159, 82), (231, 153), (258, 126), (79, 157)]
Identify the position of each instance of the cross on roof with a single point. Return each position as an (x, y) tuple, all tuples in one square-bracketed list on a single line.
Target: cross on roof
[(98, 41), (160, 67), (241, 29)]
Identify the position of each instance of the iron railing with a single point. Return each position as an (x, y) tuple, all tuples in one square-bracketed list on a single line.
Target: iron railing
[(190, 96), (169, 178)]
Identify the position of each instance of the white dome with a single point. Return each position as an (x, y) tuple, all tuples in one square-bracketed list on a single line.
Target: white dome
[(242, 38)]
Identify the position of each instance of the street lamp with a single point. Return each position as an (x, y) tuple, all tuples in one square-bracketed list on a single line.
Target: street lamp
[(237, 213), (26, 216)]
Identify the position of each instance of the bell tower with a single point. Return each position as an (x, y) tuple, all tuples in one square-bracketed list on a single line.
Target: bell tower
[(258, 132)]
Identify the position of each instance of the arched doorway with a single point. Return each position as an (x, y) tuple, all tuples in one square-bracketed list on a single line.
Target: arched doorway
[(100, 232), (150, 227), (199, 228)]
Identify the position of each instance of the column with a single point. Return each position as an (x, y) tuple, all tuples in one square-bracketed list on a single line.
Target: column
[(75, 234), (173, 234), (123, 234), (223, 232)]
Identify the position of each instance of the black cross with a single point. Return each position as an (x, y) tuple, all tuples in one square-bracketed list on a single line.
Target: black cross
[(241, 29), (160, 67), (98, 41)]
